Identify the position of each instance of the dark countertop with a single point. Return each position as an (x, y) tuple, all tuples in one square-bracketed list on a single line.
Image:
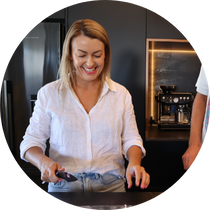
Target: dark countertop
[(105, 200), (153, 133)]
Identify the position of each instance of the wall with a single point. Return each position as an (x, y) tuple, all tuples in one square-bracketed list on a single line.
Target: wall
[(158, 27)]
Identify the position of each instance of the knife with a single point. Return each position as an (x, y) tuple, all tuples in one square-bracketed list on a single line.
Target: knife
[(65, 175)]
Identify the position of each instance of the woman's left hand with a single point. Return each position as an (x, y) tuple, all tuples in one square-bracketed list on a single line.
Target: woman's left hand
[(140, 174)]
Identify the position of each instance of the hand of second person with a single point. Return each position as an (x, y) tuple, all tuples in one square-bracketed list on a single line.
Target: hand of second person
[(189, 156), (140, 174)]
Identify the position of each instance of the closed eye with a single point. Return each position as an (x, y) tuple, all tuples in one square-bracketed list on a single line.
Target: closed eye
[(96, 56)]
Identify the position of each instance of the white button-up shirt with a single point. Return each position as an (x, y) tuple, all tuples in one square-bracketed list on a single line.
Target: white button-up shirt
[(82, 142)]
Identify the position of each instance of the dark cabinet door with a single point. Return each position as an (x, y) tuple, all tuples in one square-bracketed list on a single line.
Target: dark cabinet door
[(162, 27)]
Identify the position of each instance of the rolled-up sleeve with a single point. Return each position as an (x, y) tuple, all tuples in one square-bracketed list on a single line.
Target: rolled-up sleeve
[(130, 135), (38, 130)]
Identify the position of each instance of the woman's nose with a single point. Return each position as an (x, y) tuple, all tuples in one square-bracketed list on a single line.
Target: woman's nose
[(90, 61)]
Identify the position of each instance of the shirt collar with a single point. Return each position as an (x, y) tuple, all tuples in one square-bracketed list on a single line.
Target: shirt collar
[(109, 84)]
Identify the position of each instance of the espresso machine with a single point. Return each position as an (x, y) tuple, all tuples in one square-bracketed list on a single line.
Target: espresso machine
[(174, 108)]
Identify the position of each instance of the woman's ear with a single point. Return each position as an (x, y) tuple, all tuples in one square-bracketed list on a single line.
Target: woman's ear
[(70, 57)]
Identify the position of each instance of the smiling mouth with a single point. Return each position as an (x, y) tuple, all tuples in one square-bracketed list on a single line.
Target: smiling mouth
[(90, 70)]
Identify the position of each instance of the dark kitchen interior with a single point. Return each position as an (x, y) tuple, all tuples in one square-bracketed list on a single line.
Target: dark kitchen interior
[(133, 31)]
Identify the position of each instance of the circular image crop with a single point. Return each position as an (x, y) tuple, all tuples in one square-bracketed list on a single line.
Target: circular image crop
[(101, 106)]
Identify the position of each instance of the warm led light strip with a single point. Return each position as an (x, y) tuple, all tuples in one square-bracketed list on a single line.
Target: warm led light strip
[(173, 51), (152, 81), (152, 70)]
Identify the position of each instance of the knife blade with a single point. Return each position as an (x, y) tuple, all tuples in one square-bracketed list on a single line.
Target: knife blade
[(65, 175)]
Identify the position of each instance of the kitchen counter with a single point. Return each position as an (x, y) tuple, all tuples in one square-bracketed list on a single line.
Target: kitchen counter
[(105, 200), (153, 134)]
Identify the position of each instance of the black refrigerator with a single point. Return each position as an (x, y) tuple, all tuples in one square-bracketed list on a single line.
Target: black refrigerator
[(34, 63)]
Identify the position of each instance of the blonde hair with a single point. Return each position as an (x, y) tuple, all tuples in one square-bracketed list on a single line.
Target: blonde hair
[(92, 30)]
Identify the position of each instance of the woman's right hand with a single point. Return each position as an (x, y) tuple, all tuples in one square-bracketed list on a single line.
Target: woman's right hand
[(46, 165), (48, 169)]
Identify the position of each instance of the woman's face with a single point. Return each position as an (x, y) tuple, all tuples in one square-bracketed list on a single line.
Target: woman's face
[(88, 57)]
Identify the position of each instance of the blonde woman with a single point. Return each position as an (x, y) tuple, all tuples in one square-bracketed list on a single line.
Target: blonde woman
[(88, 118)]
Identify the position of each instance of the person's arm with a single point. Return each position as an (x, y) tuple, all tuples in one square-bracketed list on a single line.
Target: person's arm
[(47, 166), (134, 169), (133, 148), (198, 113), (34, 141), (134, 155)]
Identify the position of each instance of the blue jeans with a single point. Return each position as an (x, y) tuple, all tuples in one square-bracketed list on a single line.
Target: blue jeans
[(90, 182)]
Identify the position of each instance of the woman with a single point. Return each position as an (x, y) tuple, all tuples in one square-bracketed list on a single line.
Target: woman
[(89, 119)]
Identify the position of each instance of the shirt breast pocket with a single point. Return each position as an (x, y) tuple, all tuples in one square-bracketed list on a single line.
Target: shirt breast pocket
[(109, 124)]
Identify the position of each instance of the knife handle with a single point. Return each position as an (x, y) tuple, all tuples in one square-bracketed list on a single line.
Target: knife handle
[(61, 174), (67, 176)]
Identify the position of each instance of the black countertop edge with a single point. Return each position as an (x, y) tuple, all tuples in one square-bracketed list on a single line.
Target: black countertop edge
[(166, 139), (105, 199)]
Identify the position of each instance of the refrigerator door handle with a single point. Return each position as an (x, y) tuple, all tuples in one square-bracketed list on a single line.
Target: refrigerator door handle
[(7, 126)]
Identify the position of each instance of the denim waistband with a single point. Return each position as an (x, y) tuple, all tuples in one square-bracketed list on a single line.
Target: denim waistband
[(85, 175), (95, 176)]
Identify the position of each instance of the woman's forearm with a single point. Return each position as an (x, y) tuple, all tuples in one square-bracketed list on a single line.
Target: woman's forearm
[(35, 156), (134, 155)]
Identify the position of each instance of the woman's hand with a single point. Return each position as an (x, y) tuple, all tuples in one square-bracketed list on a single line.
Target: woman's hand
[(47, 166), (48, 170), (139, 173)]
